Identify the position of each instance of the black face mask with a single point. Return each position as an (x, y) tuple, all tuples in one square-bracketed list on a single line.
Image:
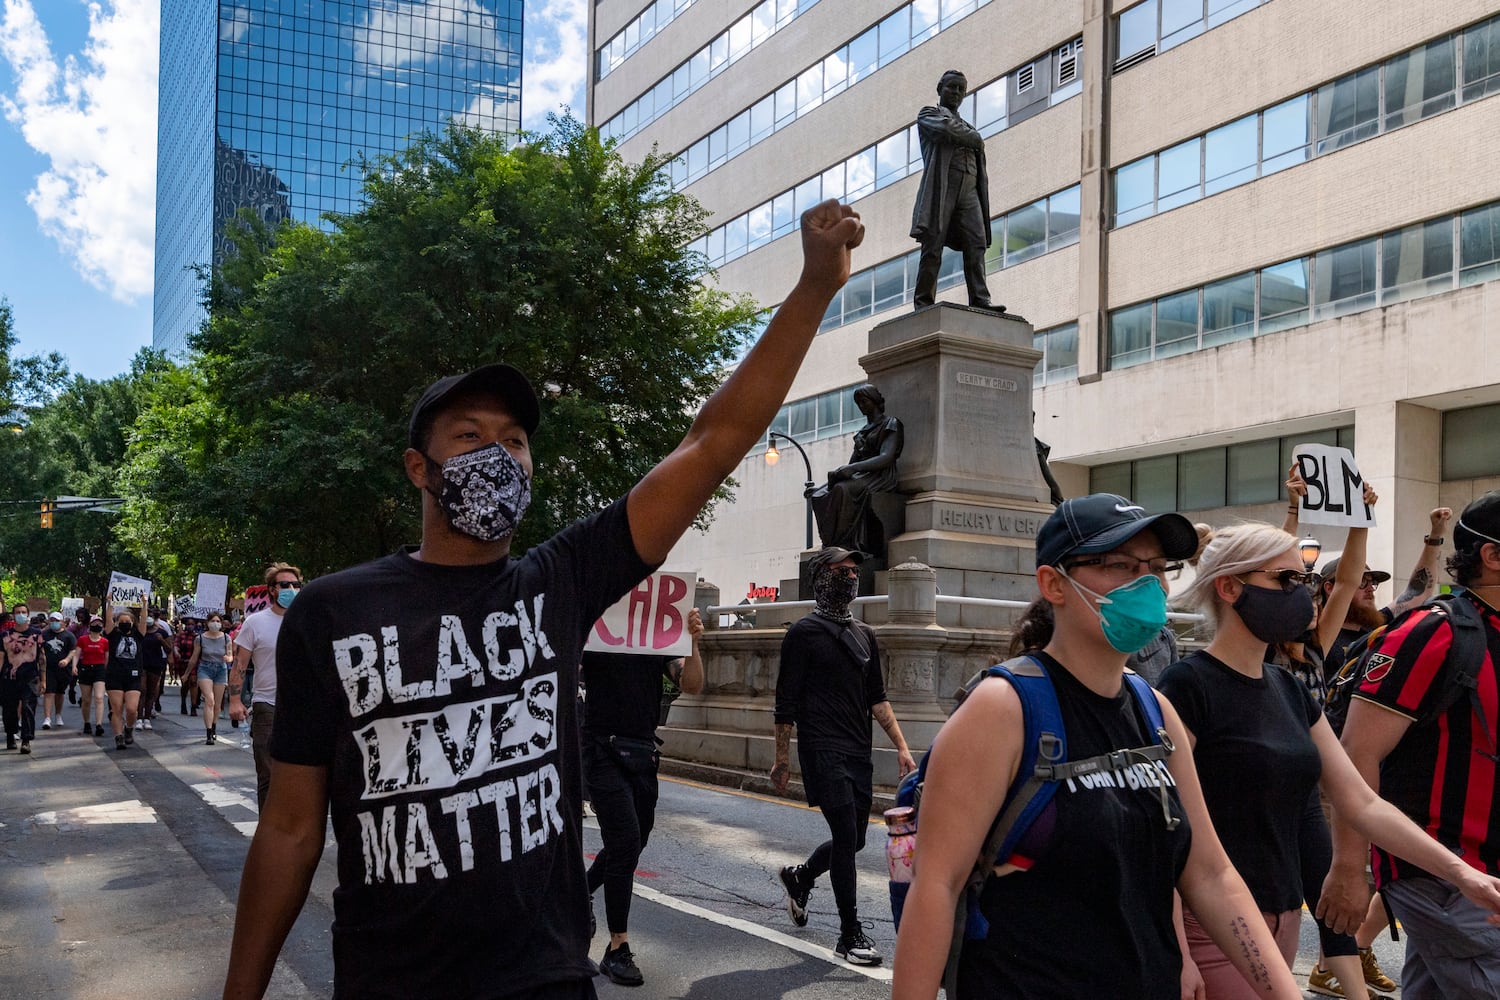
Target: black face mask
[(1275, 615), (96, 629), (832, 593)]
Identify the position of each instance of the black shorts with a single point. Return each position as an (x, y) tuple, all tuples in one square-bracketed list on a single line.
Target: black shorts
[(834, 778), (122, 680), (90, 674), (58, 679)]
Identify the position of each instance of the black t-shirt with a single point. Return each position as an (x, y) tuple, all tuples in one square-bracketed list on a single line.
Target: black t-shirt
[(154, 648), (1257, 764), (124, 650), (1442, 773), (56, 646), (442, 699), (828, 679), (1091, 916), (624, 694)]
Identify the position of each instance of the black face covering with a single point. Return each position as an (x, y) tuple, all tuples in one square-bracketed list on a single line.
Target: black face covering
[(832, 594), (1275, 615)]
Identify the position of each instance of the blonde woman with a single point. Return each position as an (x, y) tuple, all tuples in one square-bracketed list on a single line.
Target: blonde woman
[(1261, 743)]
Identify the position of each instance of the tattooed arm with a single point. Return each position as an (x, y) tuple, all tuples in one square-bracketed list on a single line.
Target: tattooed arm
[(887, 719), (1424, 576)]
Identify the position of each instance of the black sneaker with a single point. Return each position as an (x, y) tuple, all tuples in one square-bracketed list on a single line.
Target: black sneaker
[(88, 730), (856, 948), (209, 739), (129, 737), (26, 746), (798, 888), (98, 730), (619, 965), (120, 742)]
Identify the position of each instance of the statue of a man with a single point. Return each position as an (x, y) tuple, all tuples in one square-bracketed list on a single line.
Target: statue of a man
[(842, 506), (953, 203)]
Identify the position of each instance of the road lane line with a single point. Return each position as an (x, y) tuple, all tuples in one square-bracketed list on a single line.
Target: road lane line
[(878, 972)]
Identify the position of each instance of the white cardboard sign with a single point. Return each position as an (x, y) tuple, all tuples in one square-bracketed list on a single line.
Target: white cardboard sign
[(650, 620), (1335, 489), (127, 591), (211, 592)]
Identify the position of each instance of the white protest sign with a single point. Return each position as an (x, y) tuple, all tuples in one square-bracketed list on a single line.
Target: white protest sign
[(184, 606), (1335, 489), (211, 590), (127, 591), (650, 620), (70, 606)]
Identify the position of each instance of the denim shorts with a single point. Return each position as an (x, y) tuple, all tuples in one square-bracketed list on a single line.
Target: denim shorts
[(215, 671)]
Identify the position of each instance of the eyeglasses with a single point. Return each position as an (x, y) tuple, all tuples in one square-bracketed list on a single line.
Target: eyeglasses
[(1122, 566), (285, 585), (1289, 579)]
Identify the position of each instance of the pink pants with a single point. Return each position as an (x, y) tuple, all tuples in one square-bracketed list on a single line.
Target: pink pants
[(1221, 979)]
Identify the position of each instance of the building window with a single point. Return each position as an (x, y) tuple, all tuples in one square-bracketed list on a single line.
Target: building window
[(1471, 448), (1405, 88), (1344, 279), (1207, 478), (1479, 235), (1417, 260), (1158, 25), (1059, 347)]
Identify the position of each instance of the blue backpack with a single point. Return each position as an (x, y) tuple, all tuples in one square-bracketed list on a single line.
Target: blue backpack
[(1044, 763)]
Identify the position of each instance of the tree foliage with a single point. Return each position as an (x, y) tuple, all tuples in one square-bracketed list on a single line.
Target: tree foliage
[(552, 254), (67, 437)]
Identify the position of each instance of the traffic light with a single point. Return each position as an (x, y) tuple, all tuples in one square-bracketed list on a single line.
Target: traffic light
[(47, 506)]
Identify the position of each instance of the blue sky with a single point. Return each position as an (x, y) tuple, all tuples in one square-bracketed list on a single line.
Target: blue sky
[(77, 156)]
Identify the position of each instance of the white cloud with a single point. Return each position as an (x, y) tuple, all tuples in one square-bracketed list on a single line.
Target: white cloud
[(556, 64), (94, 118)]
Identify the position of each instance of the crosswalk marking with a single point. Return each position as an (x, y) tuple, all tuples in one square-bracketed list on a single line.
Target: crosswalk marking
[(128, 811)]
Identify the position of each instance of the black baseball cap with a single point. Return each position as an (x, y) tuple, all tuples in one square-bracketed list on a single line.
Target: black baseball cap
[(1102, 522), (499, 380), (1479, 523), (1331, 570), (830, 554)]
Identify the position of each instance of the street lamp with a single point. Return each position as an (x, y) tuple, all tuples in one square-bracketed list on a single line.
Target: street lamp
[(1309, 548), (773, 456)]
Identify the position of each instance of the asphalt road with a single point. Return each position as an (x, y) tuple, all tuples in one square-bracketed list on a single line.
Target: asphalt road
[(119, 871)]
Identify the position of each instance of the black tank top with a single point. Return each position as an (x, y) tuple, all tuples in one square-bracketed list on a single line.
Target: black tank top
[(1092, 915)]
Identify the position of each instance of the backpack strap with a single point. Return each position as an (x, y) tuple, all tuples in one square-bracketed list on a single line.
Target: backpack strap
[(1465, 660)]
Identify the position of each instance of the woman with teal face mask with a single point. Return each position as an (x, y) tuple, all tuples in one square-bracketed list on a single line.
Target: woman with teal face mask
[(1111, 847)]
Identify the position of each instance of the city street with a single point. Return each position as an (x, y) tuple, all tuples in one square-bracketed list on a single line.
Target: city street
[(121, 871)]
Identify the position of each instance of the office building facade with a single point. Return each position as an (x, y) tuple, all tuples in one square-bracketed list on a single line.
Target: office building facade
[(268, 107), (1236, 226)]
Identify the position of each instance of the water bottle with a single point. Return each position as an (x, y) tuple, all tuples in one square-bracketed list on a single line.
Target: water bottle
[(900, 847)]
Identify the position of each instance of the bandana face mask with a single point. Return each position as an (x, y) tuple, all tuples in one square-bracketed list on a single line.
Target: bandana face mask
[(484, 493), (833, 590)]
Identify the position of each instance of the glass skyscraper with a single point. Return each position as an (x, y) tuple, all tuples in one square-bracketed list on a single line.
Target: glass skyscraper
[(268, 105)]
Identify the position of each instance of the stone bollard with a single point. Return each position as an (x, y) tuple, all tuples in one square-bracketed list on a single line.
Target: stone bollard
[(913, 595), (706, 596)]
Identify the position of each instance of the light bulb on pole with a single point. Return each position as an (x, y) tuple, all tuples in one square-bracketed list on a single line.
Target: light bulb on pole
[(772, 455), (1308, 549)]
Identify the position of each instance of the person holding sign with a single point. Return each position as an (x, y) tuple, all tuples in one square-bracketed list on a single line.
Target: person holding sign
[(429, 697), (122, 674), (619, 766)]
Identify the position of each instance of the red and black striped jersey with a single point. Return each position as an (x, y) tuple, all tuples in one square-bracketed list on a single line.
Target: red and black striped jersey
[(1442, 774)]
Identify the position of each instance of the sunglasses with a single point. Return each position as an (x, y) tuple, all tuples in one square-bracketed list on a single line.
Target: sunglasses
[(1290, 579), (282, 585)]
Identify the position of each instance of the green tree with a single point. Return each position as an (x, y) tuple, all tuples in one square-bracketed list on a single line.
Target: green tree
[(552, 254), (67, 436)]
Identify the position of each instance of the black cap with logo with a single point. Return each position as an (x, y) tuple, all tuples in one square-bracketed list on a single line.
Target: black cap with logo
[(1102, 522)]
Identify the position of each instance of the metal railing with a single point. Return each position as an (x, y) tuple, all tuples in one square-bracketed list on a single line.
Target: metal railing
[(979, 602)]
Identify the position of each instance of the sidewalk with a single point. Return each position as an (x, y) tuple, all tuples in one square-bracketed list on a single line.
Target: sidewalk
[(98, 895)]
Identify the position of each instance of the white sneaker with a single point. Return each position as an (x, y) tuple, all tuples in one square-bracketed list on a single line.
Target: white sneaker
[(148, 726), (47, 723), (140, 724)]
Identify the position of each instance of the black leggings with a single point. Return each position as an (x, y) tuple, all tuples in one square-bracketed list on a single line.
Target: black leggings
[(1315, 844), (625, 805), (836, 856)]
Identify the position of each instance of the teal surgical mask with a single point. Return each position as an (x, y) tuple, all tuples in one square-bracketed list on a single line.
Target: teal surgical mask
[(285, 597), (1132, 614)]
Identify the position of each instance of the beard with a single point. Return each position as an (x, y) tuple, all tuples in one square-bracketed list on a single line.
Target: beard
[(1364, 617)]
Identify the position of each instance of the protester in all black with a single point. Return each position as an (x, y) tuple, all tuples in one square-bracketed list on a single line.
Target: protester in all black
[(619, 766), (156, 649), (21, 682), (122, 675), (427, 700), (829, 685)]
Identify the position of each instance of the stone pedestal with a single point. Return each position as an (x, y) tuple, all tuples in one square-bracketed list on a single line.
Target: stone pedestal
[(959, 379)]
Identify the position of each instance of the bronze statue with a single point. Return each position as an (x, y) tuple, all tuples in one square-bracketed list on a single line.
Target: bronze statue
[(953, 203), (1043, 449), (842, 506)]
